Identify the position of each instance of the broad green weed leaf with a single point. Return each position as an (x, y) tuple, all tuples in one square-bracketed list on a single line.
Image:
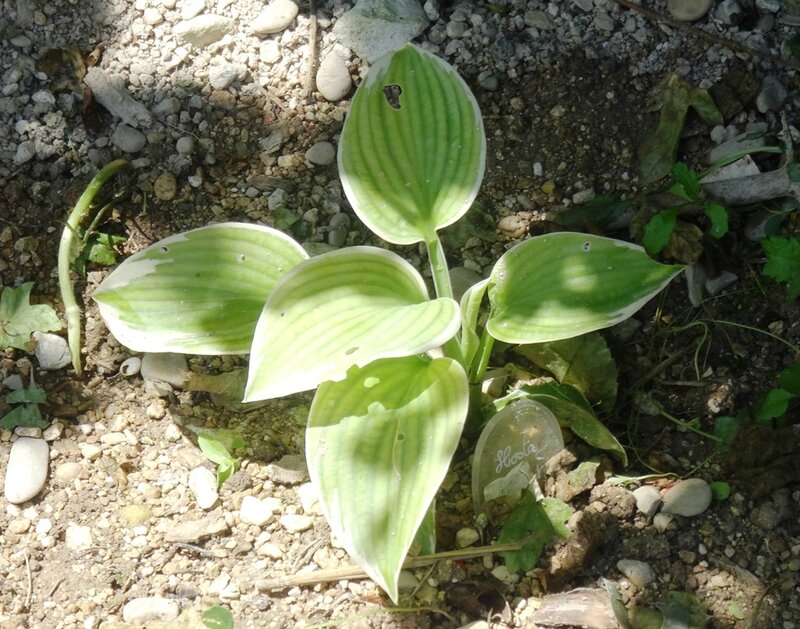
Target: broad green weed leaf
[(783, 262), (687, 185), (19, 319), (27, 415), (774, 404), (683, 611), (339, 309), (599, 213), (719, 219), (217, 617), (199, 292), (658, 230), (412, 152), (726, 429), (657, 154), (789, 379), (561, 285), (583, 361), (721, 490), (378, 446), (537, 522), (31, 395)]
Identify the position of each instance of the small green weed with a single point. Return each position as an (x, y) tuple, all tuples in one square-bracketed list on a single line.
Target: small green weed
[(26, 412), (783, 262), (218, 445), (19, 319)]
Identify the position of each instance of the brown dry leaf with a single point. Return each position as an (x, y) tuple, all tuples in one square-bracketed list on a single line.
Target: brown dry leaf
[(685, 244)]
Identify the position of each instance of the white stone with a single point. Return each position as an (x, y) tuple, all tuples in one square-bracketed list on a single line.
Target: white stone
[(184, 146), (203, 484), (90, 451), (26, 471), (466, 537), (203, 30), (52, 351), (78, 537), (688, 498), (646, 497), (322, 154), (309, 498), (273, 551), (53, 431), (152, 16), (269, 51), (67, 472), (223, 75), (296, 523), (127, 139), (192, 8), (333, 77), (139, 611), (638, 572), (277, 16), (254, 511)]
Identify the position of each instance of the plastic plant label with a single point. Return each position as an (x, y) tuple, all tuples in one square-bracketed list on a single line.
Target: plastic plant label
[(518, 440)]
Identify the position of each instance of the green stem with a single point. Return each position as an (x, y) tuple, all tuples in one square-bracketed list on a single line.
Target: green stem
[(439, 270), (484, 352), (688, 426), (65, 257)]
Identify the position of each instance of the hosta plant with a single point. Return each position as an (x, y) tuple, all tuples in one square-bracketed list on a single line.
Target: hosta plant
[(391, 365)]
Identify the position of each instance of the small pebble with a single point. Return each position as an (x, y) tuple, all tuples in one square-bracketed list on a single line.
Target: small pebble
[(688, 10), (277, 16), (688, 498), (65, 473), (78, 537), (296, 523), (90, 451), (185, 145), (254, 511), (26, 470), (127, 139), (638, 572), (52, 351), (333, 77), (203, 30), (647, 497), (321, 154), (166, 367), (152, 608), (203, 485), (466, 537)]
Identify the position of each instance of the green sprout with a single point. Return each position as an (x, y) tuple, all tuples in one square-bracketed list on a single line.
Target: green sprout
[(394, 369)]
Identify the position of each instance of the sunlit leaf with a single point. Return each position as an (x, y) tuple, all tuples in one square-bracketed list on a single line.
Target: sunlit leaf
[(561, 285), (339, 309), (538, 523), (199, 292), (19, 319), (378, 446), (412, 152), (583, 361)]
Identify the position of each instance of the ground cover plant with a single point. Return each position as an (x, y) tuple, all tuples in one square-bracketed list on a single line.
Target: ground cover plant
[(396, 373)]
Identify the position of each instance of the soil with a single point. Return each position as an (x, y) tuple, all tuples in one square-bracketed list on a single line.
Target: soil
[(741, 558)]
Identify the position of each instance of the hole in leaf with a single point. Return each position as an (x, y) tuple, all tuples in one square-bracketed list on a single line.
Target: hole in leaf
[(587, 246), (352, 350), (164, 249), (240, 257), (392, 93), (400, 436)]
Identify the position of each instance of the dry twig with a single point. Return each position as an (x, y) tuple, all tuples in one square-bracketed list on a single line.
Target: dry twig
[(312, 49)]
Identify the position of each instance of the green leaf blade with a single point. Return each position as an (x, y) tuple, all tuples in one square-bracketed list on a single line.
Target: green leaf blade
[(19, 319), (413, 150), (340, 309), (783, 262), (378, 446), (658, 230), (199, 292), (561, 285)]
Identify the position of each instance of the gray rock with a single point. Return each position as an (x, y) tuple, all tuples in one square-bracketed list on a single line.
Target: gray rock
[(729, 12), (688, 10), (21, 41), (128, 139), (768, 6), (455, 30), (169, 105), (152, 608), (203, 30), (338, 229), (112, 95), (52, 351), (539, 19), (166, 367), (373, 28), (185, 145), (584, 5), (322, 154), (772, 96), (277, 16), (688, 498), (604, 22), (26, 471), (333, 77), (288, 470), (223, 75), (638, 572), (26, 151)]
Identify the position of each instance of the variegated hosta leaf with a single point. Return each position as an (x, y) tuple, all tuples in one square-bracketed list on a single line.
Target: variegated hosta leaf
[(470, 309), (413, 150), (561, 285), (378, 446), (199, 292), (339, 309)]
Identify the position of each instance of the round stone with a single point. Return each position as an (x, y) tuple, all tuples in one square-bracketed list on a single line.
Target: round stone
[(152, 608), (185, 145), (688, 498), (638, 572), (254, 511), (203, 484), (277, 16), (52, 351), (321, 154), (688, 10), (165, 187), (296, 523), (333, 77), (78, 537), (26, 471), (67, 472), (127, 139)]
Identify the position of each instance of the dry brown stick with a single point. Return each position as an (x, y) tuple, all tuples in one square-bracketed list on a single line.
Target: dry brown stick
[(710, 37), (354, 572), (312, 49), (29, 593)]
